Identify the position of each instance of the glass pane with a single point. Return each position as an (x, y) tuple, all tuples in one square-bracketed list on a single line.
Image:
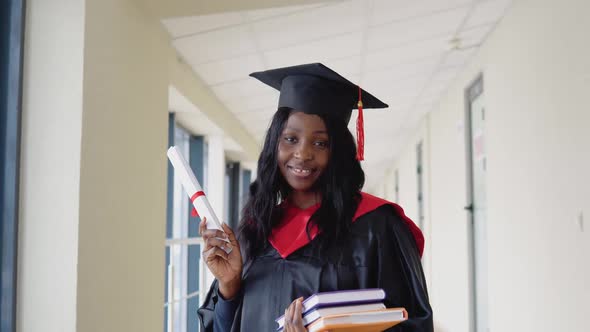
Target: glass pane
[(179, 252)]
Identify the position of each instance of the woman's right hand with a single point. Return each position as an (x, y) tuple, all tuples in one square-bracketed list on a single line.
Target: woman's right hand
[(227, 268)]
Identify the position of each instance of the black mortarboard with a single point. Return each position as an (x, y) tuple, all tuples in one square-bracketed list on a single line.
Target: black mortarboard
[(316, 89)]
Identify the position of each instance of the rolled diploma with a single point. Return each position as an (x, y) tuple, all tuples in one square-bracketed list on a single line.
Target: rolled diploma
[(192, 186)]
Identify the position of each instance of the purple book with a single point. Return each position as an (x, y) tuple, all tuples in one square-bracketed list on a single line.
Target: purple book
[(340, 298)]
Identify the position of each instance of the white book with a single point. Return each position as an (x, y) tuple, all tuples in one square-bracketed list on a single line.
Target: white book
[(345, 297), (341, 298)]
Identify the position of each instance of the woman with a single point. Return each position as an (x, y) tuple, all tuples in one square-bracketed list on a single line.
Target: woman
[(307, 227)]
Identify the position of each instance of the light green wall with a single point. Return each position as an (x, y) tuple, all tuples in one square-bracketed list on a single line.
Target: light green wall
[(123, 170)]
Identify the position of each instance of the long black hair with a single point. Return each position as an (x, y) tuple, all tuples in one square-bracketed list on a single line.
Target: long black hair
[(339, 187)]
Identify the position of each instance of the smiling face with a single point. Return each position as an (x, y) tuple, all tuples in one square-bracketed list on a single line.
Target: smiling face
[(303, 150)]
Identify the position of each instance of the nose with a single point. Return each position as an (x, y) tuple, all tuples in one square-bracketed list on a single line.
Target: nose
[(304, 152)]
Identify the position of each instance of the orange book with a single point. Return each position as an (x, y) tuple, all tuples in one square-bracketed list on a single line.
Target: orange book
[(369, 321)]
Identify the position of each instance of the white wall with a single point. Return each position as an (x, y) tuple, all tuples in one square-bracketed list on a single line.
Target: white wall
[(539, 162), (50, 166), (406, 165), (536, 69)]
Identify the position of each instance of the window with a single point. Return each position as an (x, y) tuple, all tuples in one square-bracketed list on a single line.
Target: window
[(12, 18), (183, 244), (475, 135), (185, 273), (232, 193), (245, 192)]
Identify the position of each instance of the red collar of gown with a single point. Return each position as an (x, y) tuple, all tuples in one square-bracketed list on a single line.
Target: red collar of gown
[(291, 234)]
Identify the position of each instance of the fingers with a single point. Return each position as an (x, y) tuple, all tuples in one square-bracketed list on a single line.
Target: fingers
[(297, 314), (288, 319), (215, 237), (212, 253), (202, 225), (293, 317), (213, 233), (218, 242), (229, 232), (204, 232)]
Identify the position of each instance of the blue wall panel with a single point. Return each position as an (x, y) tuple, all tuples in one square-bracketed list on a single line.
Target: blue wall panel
[(12, 19)]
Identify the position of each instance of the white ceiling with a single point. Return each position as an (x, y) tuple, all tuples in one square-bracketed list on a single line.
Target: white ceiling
[(399, 50)]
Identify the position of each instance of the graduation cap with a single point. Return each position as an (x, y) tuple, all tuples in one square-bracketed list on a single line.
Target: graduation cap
[(316, 89)]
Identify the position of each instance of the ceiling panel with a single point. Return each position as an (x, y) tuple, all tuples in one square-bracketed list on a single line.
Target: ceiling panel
[(401, 72), (457, 58), (207, 47), (325, 21), (245, 88), (399, 33), (348, 67), (399, 96), (398, 107), (259, 14), (487, 12), (400, 92), (229, 70), (191, 25), (316, 51), (254, 103), (473, 37), (387, 11), (408, 53)]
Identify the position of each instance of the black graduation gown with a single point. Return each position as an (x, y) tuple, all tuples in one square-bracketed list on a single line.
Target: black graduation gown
[(382, 253)]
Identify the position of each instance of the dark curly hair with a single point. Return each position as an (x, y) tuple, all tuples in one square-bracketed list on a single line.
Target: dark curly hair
[(339, 187)]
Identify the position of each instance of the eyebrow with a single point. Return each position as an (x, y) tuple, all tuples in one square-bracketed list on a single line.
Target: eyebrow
[(299, 130)]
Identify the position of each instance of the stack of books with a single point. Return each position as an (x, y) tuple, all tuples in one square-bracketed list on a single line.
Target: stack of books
[(348, 311)]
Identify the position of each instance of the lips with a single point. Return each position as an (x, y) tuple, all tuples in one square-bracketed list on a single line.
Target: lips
[(301, 172)]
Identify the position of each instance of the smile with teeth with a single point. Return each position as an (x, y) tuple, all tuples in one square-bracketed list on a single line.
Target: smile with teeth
[(300, 171)]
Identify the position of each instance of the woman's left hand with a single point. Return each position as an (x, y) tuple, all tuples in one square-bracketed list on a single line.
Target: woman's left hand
[(293, 317)]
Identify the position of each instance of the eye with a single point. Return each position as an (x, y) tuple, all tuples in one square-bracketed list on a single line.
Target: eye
[(322, 144), (290, 139)]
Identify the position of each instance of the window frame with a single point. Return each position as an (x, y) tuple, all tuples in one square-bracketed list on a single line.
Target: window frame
[(12, 14)]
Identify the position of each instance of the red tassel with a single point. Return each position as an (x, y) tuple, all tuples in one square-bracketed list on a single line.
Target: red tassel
[(360, 131)]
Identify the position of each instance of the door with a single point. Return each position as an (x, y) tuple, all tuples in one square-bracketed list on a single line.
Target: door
[(476, 181)]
